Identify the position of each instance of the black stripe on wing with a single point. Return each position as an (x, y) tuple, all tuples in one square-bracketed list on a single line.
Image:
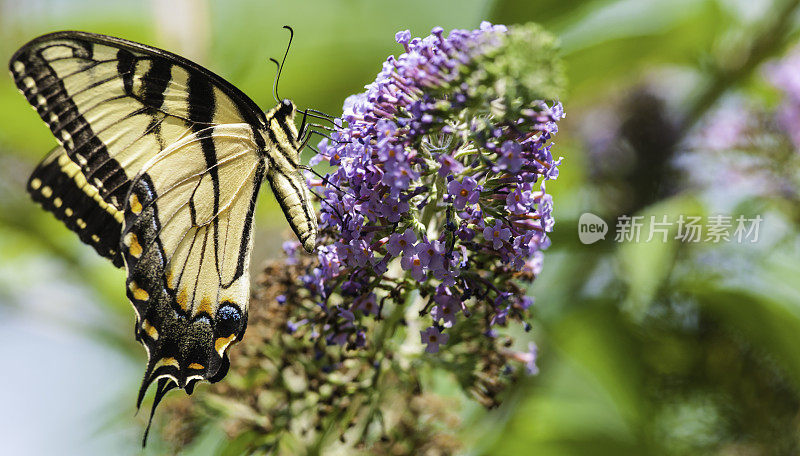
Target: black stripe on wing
[(247, 230), (248, 109), (44, 90), (200, 89)]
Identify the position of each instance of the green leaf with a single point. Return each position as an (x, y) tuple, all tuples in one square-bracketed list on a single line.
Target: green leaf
[(589, 396), (761, 302), (646, 266)]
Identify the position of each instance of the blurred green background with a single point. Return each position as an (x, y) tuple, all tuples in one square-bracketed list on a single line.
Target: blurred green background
[(646, 348)]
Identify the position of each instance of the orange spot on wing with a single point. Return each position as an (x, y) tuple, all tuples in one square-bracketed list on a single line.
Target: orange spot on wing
[(166, 362), (204, 307), (182, 299), (138, 293), (222, 343), (136, 206), (133, 245), (150, 330)]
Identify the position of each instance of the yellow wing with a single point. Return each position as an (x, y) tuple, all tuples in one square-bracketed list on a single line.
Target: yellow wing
[(186, 243)]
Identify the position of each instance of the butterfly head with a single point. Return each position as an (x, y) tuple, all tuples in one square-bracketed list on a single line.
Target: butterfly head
[(284, 115), (287, 109)]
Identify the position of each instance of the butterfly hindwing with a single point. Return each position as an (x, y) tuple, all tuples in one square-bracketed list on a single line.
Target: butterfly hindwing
[(60, 187), (186, 243)]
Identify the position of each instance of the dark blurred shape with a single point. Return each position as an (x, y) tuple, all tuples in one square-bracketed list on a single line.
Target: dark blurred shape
[(633, 166)]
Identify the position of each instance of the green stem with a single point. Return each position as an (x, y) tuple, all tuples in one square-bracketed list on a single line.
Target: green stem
[(387, 329), (388, 325), (773, 36), (432, 207)]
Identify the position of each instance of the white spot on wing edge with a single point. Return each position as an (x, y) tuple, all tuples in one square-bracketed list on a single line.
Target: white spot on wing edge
[(19, 67), (57, 52), (142, 67)]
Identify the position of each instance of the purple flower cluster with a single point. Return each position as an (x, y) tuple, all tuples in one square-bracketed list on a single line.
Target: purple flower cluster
[(437, 192)]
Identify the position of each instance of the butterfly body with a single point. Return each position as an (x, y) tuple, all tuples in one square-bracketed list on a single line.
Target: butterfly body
[(158, 167)]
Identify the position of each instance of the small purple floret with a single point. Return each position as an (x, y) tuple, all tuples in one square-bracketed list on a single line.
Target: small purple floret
[(432, 337)]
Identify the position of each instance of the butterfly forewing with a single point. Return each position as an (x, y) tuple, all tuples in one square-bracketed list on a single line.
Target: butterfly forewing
[(112, 104)]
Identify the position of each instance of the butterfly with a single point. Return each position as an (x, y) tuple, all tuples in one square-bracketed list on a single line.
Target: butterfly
[(158, 168)]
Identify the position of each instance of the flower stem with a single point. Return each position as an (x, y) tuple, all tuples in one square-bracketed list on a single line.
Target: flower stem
[(432, 207)]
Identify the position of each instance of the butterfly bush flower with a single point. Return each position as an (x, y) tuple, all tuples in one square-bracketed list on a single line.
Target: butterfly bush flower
[(452, 139), (433, 218)]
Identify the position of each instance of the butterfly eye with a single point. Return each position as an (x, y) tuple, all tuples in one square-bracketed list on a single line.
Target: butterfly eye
[(287, 108)]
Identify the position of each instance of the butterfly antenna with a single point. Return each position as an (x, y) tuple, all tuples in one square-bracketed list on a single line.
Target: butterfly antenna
[(275, 84), (280, 65)]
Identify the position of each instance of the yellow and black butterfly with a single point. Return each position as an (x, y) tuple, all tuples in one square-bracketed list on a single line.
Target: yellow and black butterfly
[(159, 166)]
